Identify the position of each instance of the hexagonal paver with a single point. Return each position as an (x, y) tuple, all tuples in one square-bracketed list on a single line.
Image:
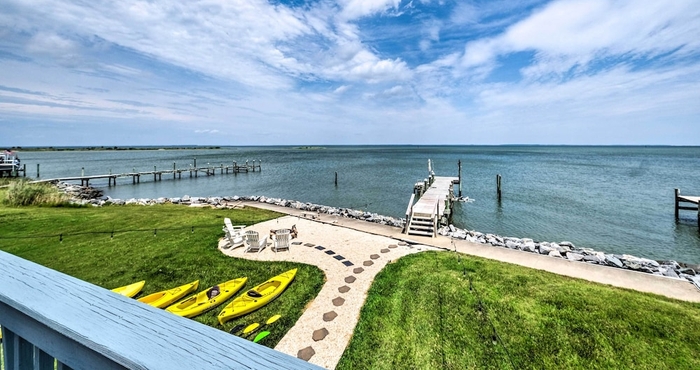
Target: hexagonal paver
[(306, 353), (403, 244), (329, 316), (374, 256), (296, 243), (344, 289), (358, 270), (350, 279), (393, 246), (319, 334), (368, 263), (309, 245), (338, 301), (385, 251)]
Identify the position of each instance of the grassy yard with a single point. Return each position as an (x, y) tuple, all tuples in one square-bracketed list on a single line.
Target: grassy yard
[(435, 311), (165, 245)]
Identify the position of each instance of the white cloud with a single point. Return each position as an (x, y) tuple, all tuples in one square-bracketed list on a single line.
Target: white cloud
[(341, 89), (353, 9), (207, 131), (570, 33)]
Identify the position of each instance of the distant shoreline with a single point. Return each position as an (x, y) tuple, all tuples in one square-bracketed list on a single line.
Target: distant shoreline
[(106, 148)]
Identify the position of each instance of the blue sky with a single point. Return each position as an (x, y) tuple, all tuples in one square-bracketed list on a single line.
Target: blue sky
[(259, 72)]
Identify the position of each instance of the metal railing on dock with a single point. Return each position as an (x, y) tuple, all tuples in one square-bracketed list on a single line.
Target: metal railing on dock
[(193, 170), (52, 320)]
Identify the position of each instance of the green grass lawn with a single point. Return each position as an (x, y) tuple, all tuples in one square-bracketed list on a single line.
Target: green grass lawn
[(165, 245), (422, 314)]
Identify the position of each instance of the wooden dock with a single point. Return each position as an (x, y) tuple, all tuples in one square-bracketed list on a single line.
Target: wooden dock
[(686, 199), (158, 174), (434, 206)]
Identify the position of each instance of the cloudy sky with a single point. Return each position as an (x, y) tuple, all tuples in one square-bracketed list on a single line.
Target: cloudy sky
[(265, 72)]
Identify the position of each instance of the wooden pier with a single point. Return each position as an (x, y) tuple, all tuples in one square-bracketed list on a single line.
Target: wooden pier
[(193, 170), (434, 206), (686, 199)]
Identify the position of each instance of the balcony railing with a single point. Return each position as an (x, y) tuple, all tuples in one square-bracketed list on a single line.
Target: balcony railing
[(51, 319)]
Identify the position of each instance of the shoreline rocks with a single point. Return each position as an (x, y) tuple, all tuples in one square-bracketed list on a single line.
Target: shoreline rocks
[(565, 250)]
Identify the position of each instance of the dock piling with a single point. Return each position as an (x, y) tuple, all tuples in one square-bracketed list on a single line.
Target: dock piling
[(82, 171), (24, 170), (675, 201), (37, 170), (459, 174), (336, 178), (498, 187)]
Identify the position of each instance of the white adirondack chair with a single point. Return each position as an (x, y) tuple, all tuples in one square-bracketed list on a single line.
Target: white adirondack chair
[(281, 240), (253, 242), (234, 234)]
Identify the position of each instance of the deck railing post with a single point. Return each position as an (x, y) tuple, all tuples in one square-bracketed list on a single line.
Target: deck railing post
[(24, 170), (675, 201), (174, 170), (82, 171)]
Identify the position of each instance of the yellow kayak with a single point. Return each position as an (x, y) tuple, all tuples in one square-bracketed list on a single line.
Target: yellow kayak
[(131, 289), (257, 297), (167, 297), (201, 303)]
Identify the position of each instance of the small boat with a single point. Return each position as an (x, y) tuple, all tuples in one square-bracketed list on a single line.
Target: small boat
[(201, 303), (167, 297), (131, 289), (257, 297)]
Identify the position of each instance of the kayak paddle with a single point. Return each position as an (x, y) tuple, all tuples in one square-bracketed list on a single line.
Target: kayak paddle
[(268, 322), (250, 328), (260, 336), (236, 329)]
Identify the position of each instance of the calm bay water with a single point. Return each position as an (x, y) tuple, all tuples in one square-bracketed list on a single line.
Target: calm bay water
[(612, 199)]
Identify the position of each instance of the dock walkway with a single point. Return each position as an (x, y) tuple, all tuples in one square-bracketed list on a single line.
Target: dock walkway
[(686, 199), (434, 205), (158, 174)]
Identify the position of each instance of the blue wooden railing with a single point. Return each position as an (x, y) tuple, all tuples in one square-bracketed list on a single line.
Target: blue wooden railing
[(51, 319)]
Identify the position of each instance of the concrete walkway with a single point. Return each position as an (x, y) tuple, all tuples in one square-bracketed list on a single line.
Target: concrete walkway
[(673, 288), (352, 252)]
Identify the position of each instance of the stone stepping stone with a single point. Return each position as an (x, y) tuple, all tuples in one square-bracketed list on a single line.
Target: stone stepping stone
[(403, 244), (348, 263), (393, 246), (368, 263), (306, 353), (296, 243), (338, 301), (329, 316), (344, 289), (309, 245), (320, 248), (339, 257), (329, 252), (385, 251), (350, 279), (358, 270), (374, 256), (319, 334)]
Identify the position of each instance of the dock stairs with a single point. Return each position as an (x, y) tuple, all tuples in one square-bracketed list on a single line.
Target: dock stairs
[(433, 206), (422, 225)]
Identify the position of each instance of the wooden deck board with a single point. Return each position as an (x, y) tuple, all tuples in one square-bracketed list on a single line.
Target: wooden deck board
[(436, 194), (690, 199)]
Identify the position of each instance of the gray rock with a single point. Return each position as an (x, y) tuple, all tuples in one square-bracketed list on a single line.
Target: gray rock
[(571, 256), (687, 271), (512, 245), (669, 272), (555, 253)]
